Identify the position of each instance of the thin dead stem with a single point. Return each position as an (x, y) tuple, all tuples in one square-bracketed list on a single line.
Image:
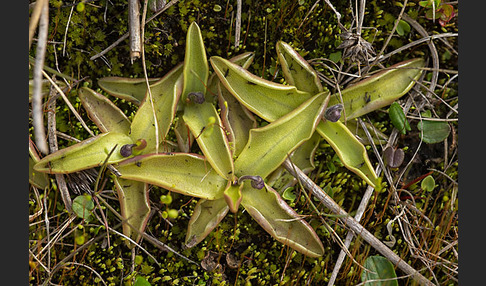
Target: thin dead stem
[(125, 36), (37, 112), (51, 123), (353, 224), (238, 23)]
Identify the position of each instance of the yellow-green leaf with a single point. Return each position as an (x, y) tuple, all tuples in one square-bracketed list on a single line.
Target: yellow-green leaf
[(188, 174), (379, 90), (270, 145), (236, 119), (134, 207), (196, 70), (106, 115), (297, 70), (86, 154), (232, 196), (204, 122), (130, 89), (281, 221), (165, 95), (302, 157), (206, 216), (267, 99), (38, 179), (351, 152)]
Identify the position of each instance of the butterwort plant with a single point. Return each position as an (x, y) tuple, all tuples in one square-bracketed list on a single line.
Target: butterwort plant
[(240, 162), (138, 151)]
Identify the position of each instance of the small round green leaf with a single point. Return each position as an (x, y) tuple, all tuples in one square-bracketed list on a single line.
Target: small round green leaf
[(166, 199), (380, 270), (173, 213), (83, 206), (428, 184), (433, 131), (403, 28), (141, 281)]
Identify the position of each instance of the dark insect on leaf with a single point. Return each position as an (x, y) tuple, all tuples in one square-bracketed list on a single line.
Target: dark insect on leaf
[(126, 150), (333, 113)]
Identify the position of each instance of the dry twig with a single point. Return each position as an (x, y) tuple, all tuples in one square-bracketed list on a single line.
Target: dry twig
[(125, 36), (37, 112), (51, 125), (134, 29), (353, 224)]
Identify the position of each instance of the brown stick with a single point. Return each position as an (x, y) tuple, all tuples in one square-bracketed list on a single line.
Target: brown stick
[(237, 23), (134, 30), (51, 125), (122, 38), (37, 112), (353, 224)]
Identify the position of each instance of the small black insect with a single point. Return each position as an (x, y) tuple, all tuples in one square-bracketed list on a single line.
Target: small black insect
[(367, 97)]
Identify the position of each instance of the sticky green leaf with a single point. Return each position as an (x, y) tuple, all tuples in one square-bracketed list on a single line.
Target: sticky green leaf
[(351, 152), (378, 268), (86, 154), (206, 216), (433, 131), (269, 146), (244, 60), (205, 125), (260, 98), (83, 206), (380, 89), (267, 99), (106, 115), (183, 135), (297, 70), (188, 174), (165, 95), (134, 207), (196, 70), (302, 157), (281, 221), (236, 119), (130, 89)]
